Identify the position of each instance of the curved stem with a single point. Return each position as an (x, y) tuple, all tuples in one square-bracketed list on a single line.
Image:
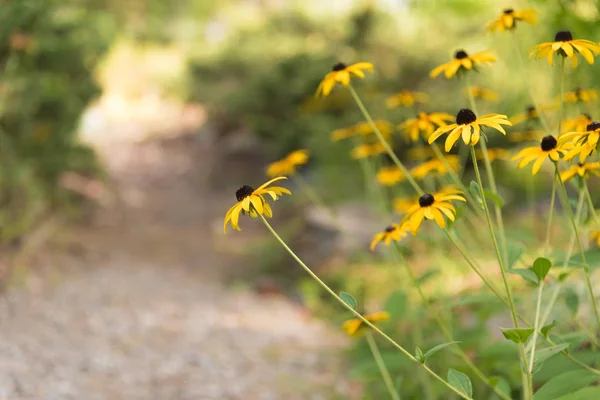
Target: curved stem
[(356, 313), (384, 142), (382, 367)]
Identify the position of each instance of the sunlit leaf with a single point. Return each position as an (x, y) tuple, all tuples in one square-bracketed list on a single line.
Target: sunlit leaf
[(460, 382), (541, 266), (546, 328), (348, 299), (564, 384), (517, 335)]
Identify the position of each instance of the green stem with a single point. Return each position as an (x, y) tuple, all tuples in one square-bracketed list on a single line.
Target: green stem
[(561, 70), (550, 215), (384, 142), (356, 313), (586, 267), (590, 202), (536, 326), (382, 368)]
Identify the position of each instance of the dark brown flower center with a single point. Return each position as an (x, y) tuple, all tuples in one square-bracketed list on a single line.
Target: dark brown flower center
[(338, 67), (563, 36), (508, 11), (593, 126), (389, 229), (580, 164), (426, 200), (549, 143), (243, 192), (465, 116), (460, 54)]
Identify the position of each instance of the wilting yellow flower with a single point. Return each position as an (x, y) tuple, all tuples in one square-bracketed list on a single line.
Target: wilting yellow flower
[(578, 124), (595, 236), (287, 166), (580, 95), (583, 170), (353, 327), (420, 153), (462, 62), (509, 17), (433, 206), (367, 150), (481, 93), (565, 46), (548, 148), (389, 176), (436, 166), (402, 205), (528, 134), (393, 232), (252, 201), (406, 98), (424, 124), (493, 154), (364, 128), (469, 127), (342, 74), (584, 142)]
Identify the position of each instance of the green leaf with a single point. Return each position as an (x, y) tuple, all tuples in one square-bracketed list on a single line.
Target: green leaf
[(517, 335), (437, 348), (460, 382), (572, 301), (515, 251), (501, 384), (564, 384), (546, 328), (348, 299), (499, 201), (541, 266), (588, 393), (525, 273), (419, 355), (396, 305), (592, 257), (544, 354), (476, 193)]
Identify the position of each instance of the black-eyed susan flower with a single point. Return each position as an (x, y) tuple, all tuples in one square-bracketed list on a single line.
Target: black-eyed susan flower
[(364, 128), (406, 98), (433, 206), (582, 170), (436, 167), (393, 232), (342, 73), (288, 165), (493, 154), (595, 235), (354, 327), (469, 127), (402, 204), (462, 62), (423, 125), (482, 93), (580, 96), (548, 148), (252, 202), (367, 150), (528, 134), (578, 124), (389, 176), (509, 17), (565, 46), (584, 143)]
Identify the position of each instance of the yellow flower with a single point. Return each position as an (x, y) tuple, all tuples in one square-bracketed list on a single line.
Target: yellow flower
[(579, 95), (367, 150), (583, 170), (392, 232), (402, 205), (389, 176), (287, 166), (252, 201), (548, 148), (469, 127), (509, 17), (565, 46), (406, 98), (481, 93), (423, 170), (462, 62), (577, 124), (433, 206), (342, 74), (425, 124), (595, 236), (493, 154), (526, 135), (584, 142), (353, 327), (363, 128)]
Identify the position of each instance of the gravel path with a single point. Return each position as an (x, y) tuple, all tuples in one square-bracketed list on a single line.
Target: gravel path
[(135, 305)]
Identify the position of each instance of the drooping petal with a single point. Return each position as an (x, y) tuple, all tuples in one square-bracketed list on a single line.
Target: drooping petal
[(452, 138), (536, 166)]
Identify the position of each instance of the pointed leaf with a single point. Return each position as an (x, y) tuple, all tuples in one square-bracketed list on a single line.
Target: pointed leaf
[(419, 355), (460, 382), (541, 266), (546, 328), (517, 335), (525, 273), (499, 201), (564, 384), (437, 348), (544, 354), (515, 251), (348, 299), (476, 193)]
